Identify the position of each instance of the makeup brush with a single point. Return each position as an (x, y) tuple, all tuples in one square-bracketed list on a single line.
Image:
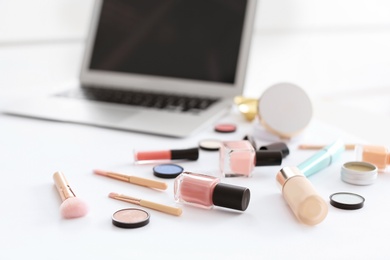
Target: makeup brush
[(71, 206), (133, 179), (147, 204)]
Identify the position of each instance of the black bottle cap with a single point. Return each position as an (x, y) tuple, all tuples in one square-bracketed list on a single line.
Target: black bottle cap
[(282, 147), (267, 158), (251, 139), (188, 154), (231, 196)]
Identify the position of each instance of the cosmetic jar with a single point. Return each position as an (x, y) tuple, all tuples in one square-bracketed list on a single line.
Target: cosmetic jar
[(359, 173)]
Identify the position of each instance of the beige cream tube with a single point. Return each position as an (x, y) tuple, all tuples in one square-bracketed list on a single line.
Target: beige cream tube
[(301, 196)]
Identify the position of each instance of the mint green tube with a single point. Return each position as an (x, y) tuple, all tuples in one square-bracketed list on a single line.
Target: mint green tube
[(322, 159)]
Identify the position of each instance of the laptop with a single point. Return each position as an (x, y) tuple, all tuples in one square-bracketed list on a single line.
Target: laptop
[(165, 67)]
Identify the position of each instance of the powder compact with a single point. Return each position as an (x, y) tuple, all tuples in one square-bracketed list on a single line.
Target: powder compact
[(130, 218)]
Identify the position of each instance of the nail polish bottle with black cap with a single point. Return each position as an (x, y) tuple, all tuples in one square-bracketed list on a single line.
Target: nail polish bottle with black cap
[(238, 158), (207, 191)]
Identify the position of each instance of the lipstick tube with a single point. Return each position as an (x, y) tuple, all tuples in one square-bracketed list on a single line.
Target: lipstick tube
[(238, 158), (182, 154), (322, 158), (300, 195), (206, 191)]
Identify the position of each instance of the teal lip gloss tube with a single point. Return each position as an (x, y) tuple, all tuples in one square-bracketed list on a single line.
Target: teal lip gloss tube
[(322, 159)]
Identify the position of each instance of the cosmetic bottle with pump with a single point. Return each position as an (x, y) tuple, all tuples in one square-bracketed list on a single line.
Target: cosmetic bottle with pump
[(238, 158), (206, 191), (378, 155), (300, 195)]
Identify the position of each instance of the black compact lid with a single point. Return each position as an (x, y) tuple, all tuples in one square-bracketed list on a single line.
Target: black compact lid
[(282, 147), (188, 154), (346, 200), (268, 158), (231, 196)]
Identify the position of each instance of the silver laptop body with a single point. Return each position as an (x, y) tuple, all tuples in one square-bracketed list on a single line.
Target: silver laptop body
[(174, 48)]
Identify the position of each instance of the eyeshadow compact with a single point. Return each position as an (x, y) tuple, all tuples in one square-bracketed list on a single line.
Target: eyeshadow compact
[(167, 171), (130, 218)]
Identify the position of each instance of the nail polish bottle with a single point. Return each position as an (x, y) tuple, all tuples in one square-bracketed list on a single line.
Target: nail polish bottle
[(301, 196), (238, 158), (376, 154), (206, 191)]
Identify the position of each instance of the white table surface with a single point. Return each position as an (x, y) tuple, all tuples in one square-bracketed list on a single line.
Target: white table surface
[(346, 73)]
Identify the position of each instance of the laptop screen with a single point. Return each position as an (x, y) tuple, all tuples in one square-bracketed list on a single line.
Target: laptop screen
[(189, 39)]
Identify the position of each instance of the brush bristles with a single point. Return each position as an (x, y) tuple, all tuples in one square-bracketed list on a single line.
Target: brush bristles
[(73, 208)]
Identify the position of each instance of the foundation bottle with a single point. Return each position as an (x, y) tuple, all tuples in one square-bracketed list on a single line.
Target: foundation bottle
[(300, 195), (376, 154)]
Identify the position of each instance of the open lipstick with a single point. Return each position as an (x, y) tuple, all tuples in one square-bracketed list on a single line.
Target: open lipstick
[(182, 154), (71, 207), (133, 179)]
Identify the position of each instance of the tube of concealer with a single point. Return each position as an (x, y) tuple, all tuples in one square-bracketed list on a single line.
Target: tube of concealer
[(322, 159)]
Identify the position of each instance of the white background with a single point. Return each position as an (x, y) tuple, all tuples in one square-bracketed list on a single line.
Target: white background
[(338, 51)]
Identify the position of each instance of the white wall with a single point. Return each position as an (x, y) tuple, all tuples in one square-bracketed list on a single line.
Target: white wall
[(58, 19)]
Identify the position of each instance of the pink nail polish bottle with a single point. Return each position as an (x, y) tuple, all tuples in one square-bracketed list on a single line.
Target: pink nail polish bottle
[(238, 158), (206, 191)]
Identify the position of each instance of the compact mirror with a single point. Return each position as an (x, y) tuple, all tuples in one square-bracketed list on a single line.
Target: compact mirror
[(283, 109)]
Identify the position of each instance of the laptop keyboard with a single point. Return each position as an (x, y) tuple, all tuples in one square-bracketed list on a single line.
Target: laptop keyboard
[(143, 99)]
